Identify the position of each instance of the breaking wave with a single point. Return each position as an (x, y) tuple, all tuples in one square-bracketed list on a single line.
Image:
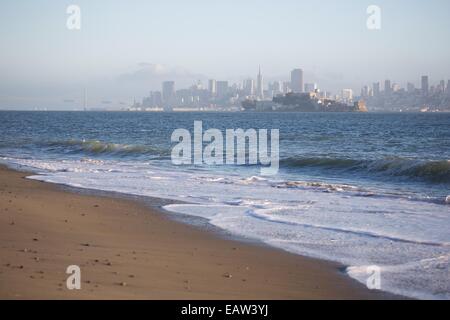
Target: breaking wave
[(96, 147), (429, 170)]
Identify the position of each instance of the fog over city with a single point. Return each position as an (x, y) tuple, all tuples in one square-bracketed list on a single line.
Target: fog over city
[(123, 51)]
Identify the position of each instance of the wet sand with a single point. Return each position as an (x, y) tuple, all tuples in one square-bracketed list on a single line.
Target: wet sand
[(128, 250)]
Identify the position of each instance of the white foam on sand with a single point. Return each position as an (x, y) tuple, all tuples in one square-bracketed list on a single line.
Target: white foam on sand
[(408, 240)]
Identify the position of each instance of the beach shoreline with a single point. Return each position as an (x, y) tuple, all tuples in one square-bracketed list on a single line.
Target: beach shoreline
[(129, 249)]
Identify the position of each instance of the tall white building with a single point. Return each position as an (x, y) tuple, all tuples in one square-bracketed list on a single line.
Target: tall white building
[(297, 80), (249, 87), (259, 85), (347, 95), (212, 87)]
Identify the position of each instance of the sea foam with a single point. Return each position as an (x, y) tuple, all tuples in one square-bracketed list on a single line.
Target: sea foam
[(408, 240)]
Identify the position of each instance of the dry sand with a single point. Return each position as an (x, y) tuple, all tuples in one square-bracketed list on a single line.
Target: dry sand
[(127, 250)]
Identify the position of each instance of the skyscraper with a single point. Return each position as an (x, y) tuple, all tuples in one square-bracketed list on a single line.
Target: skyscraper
[(212, 87), (410, 87), (156, 99), (425, 85), (387, 87), (365, 92), (249, 87), (259, 85), (442, 85), (376, 89), (347, 95), (297, 80), (222, 88), (168, 91)]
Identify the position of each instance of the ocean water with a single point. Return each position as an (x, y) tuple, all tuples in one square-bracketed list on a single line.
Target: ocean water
[(359, 189)]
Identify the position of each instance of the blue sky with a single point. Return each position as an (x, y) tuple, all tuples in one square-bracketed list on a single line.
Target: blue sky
[(125, 48)]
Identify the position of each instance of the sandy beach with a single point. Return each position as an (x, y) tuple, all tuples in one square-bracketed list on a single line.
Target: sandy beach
[(128, 250)]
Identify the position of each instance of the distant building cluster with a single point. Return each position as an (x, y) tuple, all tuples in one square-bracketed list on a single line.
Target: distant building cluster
[(393, 97), (252, 95), (297, 96), (219, 95)]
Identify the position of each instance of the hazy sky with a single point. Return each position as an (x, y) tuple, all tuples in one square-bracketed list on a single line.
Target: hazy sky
[(126, 48)]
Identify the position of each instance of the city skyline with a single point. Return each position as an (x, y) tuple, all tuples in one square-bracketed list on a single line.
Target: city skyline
[(226, 96), (256, 88), (81, 99)]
